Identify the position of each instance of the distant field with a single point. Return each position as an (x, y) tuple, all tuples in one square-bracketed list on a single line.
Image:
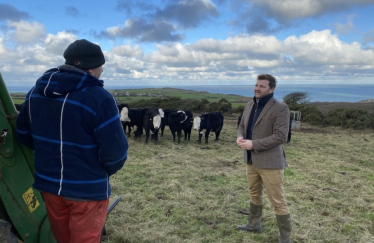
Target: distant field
[(325, 107), (130, 95)]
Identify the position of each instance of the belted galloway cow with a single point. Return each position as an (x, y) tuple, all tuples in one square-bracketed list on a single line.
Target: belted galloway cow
[(178, 121)]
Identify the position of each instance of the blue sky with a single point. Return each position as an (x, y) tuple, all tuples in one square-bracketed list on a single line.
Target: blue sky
[(194, 42)]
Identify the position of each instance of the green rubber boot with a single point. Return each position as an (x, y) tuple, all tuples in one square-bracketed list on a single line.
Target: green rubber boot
[(254, 220), (284, 225)]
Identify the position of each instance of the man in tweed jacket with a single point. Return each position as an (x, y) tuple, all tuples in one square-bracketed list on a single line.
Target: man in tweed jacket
[(262, 130)]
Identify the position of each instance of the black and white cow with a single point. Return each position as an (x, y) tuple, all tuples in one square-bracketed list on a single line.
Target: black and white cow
[(207, 122), (125, 118), (178, 121), (164, 119), (136, 116), (151, 123), (188, 128)]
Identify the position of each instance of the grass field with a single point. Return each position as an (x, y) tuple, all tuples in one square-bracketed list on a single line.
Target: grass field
[(130, 95), (197, 193)]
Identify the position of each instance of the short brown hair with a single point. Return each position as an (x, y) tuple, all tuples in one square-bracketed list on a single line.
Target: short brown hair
[(268, 77)]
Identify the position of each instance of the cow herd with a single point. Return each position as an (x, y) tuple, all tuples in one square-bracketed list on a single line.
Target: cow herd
[(153, 122)]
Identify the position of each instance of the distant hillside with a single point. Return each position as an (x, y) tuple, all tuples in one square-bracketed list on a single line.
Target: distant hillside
[(325, 107)]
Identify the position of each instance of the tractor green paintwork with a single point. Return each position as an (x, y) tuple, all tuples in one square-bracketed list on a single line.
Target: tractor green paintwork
[(20, 205)]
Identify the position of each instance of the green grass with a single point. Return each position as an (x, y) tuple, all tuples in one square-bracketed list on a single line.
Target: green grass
[(195, 193)]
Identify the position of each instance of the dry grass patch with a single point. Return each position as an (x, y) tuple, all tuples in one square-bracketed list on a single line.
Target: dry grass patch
[(197, 193)]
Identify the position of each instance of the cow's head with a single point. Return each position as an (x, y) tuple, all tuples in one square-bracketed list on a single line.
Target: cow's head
[(125, 115), (196, 123), (200, 123), (156, 122)]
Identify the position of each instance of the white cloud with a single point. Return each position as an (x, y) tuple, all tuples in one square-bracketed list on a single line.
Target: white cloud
[(56, 44), (2, 47), (291, 9), (26, 32), (322, 48), (128, 51), (27, 61), (236, 59)]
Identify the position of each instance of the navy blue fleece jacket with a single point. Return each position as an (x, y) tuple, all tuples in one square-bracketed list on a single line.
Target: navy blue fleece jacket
[(73, 125)]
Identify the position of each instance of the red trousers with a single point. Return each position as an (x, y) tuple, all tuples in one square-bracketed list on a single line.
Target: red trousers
[(75, 222)]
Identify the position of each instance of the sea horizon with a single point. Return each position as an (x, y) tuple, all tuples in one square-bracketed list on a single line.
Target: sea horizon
[(316, 92)]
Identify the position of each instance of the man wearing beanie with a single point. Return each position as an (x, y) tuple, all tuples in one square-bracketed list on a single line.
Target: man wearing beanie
[(73, 125)]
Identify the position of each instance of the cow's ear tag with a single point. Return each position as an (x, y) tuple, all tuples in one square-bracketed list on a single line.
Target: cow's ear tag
[(150, 119)]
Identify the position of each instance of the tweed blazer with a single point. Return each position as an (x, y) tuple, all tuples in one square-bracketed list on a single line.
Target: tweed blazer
[(268, 134)]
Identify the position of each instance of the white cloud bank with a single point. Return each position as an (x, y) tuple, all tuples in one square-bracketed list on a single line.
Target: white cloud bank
[(316, 57)]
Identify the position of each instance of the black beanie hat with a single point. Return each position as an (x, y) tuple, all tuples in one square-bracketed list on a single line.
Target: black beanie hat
[(84, 55)]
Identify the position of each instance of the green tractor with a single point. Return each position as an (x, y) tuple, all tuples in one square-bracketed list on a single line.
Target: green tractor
[(23, 216)]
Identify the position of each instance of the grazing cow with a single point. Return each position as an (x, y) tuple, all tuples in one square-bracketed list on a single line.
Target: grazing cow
[(18, 106), (178, 121), (125, 118), (164, 119), (151, 123), (208, 122)]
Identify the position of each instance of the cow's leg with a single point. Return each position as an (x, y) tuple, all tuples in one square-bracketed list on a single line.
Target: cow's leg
[(200, 136), (140, 129), (136, 132), (146, 135), (185, 135), (129, 133), (156, 137), (173, 132), (129, 130), (217, 134), (206, 136), (123, 126), (162, 128), (179, 134)]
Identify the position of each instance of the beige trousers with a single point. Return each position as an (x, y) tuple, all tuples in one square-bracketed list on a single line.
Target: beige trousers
[(272, 179)]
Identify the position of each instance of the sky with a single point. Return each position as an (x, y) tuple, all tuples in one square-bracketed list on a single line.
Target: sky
[(194, 42)]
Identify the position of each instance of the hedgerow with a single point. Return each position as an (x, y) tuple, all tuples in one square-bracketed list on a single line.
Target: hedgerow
[(350, 118)]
